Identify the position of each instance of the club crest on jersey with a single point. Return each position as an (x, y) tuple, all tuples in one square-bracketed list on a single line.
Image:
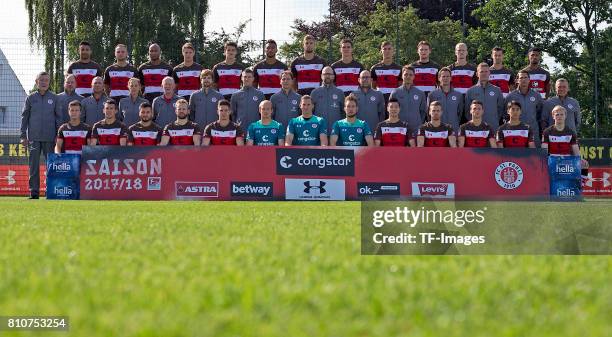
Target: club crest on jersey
[(373, 99), (359, 130), (416, 97), (273, 131), (294, 102), (255, 98), (314, 126), (532, 99), (491, 93), (50, 101), (334, 96), (454, 98), (509, 175), (214, 99), (570, 106)]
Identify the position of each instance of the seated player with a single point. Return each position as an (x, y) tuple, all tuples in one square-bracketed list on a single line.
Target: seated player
[(393, 131), (144, 132), (109, 131), (266, 131), (476, 133), (434, 133), (223, 131), (307, 129), (182, 131), (351, 131), (71, 136), (515, 133)]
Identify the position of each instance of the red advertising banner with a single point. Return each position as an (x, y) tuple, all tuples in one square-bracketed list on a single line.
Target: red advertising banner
[(598, 182), (14, 179), (311, 173)]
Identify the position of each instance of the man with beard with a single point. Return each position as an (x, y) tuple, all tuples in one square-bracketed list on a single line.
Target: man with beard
[(164, 106), (117, 75), (245, 103), (307, 68), (268, 71), (84, 70), (490, 96), (412, 101), (531, 104), (434, 133), (223, 131), (539, 79), (182, 131), (328, 99), (144, 132), (71, 136), (451, 99), (285, 103), (351, 131), (371, 103), (476, 133), (203, 103), (64, 98), (152, 72), (109, 131)]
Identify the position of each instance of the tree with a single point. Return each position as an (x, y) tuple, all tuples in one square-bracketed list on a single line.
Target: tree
[(59, 25)]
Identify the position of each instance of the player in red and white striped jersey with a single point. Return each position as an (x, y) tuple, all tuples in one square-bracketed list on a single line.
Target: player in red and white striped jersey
[(223, 131), (187, 74), (227, 74), (558, 138), (347, 70), (117, 75), (393, 131), (425, 70), (72, 135), (182, 131), (514, 133), (386, 74), (144, 132), (268, 71), (501, 76), (84, 70), (307, 68), (463, 74), (539, 79), (152, 72), (434, 133), (109, 131), (476, 133)]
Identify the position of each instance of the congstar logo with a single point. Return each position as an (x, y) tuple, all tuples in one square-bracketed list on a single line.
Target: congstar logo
[(315, 162)]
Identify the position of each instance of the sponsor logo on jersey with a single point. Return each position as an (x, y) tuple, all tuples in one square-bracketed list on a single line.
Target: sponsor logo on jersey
[(196, 189), (433, 190), (315, 162), (378, 189), (509, 175), (315, 189), (252, 189)]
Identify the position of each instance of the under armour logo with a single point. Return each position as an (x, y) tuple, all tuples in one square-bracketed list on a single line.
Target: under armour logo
[(308, 186), (10, 177), (605, 179)]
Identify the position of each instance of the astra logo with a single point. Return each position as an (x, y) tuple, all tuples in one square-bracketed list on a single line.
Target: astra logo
[(197, 189), (309, 187)]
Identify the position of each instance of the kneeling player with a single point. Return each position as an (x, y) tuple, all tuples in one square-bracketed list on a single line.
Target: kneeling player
[(476, 133), (393, 131), (144, 132), (307, 129), (434, 133), (109, 131), (182, 131), (351, 131), (223, 131), (514, 133), (266, 131), (73, 135)]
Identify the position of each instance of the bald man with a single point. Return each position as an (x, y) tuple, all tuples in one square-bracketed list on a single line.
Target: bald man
[(328, 99), (151, 73), (164, 105), (93, 105), (266, 131), (64, 98), (463, 74)]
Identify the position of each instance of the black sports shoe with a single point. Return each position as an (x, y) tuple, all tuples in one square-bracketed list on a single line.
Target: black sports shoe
[(33, 196)]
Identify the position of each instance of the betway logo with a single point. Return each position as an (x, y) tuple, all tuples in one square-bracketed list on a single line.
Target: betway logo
[(315, 162), (197, 189), (251, 189), (439, 190)]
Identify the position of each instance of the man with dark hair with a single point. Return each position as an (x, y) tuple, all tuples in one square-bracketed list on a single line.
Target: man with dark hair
[(328, 100), (226, 74), (109, 131), (72, 135), (285, 103), (514, 133), (412, 101), (531, 104), (181, 131), (144, 132), (245, 103), (434, 133), (65, 97), (425, 70), (223, 131), (267, 72), (386, 75), (463, 74), (307, 68), (451, 99), (93, 106), (501, 76), (117, 75), (187, 74), (38, 127), (371, 103), (539, 78), (129, 107), (152, 72), (490, 96), (347, 69), (476, 132), (306, 129), (393, 131), (351, 131), (203, 103), (84, 70)]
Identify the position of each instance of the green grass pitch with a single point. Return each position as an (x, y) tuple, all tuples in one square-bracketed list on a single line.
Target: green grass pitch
[(290, 269)]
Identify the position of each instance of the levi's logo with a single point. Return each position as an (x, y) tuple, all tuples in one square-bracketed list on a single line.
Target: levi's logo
[(429, 189), (439, 190), (197, 189)]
